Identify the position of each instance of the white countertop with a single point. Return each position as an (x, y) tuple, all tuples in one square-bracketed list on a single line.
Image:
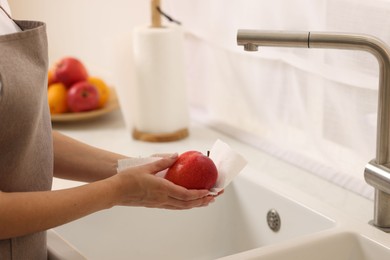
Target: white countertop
[(109, 132)]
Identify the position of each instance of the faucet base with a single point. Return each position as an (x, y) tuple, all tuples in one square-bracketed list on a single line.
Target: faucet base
[(379, 177), (382, 210), (384, 229)]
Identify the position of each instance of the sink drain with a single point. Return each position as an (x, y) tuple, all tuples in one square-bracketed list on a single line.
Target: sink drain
[(273, 220)]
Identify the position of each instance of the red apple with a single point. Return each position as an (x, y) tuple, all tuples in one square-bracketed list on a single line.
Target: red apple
[(193, 170), (82, 96), (70, 70)]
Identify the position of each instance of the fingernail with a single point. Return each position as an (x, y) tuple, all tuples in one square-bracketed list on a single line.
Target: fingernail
[(174, 156)]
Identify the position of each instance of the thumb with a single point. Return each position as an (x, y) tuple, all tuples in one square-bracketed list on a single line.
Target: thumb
[(161, 164)]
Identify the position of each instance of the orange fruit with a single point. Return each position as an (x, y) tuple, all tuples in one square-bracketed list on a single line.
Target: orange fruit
[(56, 96), (50, 77), (103, 89)]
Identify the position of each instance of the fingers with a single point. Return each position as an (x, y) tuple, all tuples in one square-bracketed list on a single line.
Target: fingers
[(181, 193), (175, 204), (220, 193), (142, 188), (182, 198), (165, 155), (159, 165)]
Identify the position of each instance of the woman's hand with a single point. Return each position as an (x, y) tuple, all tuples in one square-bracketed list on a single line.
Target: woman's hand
[(29, 212), (138, 186)]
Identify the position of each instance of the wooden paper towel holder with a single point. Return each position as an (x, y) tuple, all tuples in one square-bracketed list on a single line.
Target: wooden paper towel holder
[(158, 137), (155, 14)]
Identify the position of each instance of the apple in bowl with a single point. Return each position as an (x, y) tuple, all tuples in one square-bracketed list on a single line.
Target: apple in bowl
[(69, 71), (193, 170), (82, 96)]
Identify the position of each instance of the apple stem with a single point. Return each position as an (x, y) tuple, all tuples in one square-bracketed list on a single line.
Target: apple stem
[(208, 153)]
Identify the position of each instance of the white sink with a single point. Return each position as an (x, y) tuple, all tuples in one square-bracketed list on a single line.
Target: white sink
[(236, 222), (338, 244), (319, 220)]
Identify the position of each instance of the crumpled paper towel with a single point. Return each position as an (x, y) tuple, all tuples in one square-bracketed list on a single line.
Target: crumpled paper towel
[(228, 162)]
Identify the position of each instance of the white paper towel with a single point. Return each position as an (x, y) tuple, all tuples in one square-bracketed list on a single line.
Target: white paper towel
[(228, 162), (160, 93)]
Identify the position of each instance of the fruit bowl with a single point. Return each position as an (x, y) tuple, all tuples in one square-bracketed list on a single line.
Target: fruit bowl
[(111, 105)]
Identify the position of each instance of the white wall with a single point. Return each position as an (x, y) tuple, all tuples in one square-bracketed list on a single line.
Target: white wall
[(86, 29)]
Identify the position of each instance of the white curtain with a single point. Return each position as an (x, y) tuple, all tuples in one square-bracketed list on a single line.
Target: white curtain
[(314, 108)]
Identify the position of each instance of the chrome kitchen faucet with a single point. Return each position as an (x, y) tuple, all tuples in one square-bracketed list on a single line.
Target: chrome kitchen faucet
[(377, 171)]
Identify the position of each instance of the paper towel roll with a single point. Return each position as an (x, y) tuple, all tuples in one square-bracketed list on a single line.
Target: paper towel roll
[(160, 89)]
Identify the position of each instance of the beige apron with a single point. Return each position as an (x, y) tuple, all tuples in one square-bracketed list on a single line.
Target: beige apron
[(26, 153)]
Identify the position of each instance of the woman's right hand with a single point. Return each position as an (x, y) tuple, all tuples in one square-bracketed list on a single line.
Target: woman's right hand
[(139, 186)]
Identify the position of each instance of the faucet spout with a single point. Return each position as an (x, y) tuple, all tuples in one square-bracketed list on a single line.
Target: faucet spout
[(377, 172)]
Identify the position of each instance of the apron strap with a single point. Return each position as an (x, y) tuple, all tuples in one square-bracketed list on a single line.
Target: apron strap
[(6, 12), (9, 16)]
